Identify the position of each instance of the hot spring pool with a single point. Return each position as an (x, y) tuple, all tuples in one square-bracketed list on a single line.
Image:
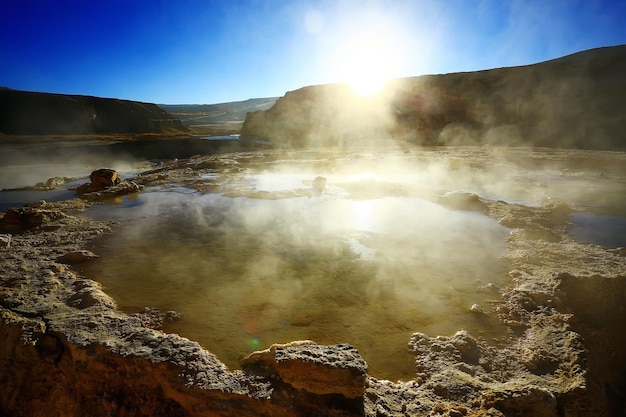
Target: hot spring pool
[(250, 256), (245, 272)]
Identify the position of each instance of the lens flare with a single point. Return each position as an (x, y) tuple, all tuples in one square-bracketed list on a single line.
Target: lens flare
[(254, 344)]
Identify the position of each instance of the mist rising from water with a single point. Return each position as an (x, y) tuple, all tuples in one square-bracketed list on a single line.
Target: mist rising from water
[(365, 262)]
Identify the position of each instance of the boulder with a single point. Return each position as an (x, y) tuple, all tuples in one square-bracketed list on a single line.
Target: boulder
[(87, 192), (76, 257), (318, 369), (104, 177), (106, 184)]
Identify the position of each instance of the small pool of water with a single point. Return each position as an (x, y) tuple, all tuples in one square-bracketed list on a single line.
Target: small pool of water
[(603, 230), (13, 199), (221, 137), (17, 176), (246, 273), (154, 201)]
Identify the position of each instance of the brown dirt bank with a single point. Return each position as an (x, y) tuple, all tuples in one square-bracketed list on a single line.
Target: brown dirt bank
[(67, 349)]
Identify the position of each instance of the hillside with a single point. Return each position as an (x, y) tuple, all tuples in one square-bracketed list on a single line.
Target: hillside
[(31, 113), (217, 118), (577, 101)]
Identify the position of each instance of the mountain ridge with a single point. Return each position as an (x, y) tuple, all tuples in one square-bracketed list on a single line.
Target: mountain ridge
[(575, 101)]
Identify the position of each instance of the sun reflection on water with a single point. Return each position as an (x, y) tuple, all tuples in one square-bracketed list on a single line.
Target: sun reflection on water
[(364, 215), (363, 176)]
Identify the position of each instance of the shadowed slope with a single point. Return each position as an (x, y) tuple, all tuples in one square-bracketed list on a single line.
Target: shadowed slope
[(30, 113)]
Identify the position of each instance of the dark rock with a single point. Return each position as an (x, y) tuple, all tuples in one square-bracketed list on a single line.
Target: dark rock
[(76, 257), (104, 177), (86, 192), (106, 184)]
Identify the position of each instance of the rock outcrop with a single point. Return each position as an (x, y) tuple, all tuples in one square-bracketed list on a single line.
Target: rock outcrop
[(106, 184), (570, 102), (30, 113), (305, 365), (104, 177), (34, 216)]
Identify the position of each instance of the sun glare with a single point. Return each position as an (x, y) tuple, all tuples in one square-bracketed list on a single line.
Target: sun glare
[(364, 215), (364, 176), (368, 61), (368, 77)]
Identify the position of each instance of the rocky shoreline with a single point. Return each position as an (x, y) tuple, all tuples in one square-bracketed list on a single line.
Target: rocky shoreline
[(68, 349)]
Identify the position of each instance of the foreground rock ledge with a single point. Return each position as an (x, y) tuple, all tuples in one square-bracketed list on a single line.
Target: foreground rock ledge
[(67, 350)]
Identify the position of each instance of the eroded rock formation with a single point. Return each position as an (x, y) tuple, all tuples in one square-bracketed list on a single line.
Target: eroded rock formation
[(304, 365)]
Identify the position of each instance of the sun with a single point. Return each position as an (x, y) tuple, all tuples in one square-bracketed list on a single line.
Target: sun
[(367, 70), (368, 62)]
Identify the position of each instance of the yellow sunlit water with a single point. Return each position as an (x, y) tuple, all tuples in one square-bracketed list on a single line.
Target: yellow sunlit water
[(363, 176), (363, 214)]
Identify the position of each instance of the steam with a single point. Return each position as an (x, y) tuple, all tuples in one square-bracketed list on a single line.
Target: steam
[(374, 257), (366, 253), (26, 165)]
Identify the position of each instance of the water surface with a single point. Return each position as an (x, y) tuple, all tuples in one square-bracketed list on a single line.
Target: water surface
[(246, 272), (603, 230)]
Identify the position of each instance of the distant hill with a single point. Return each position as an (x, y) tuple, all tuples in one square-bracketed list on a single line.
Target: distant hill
[(222, 117), (32, 113), (577, 101)]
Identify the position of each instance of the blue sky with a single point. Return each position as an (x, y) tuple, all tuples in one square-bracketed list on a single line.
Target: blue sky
[(193, 51)]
